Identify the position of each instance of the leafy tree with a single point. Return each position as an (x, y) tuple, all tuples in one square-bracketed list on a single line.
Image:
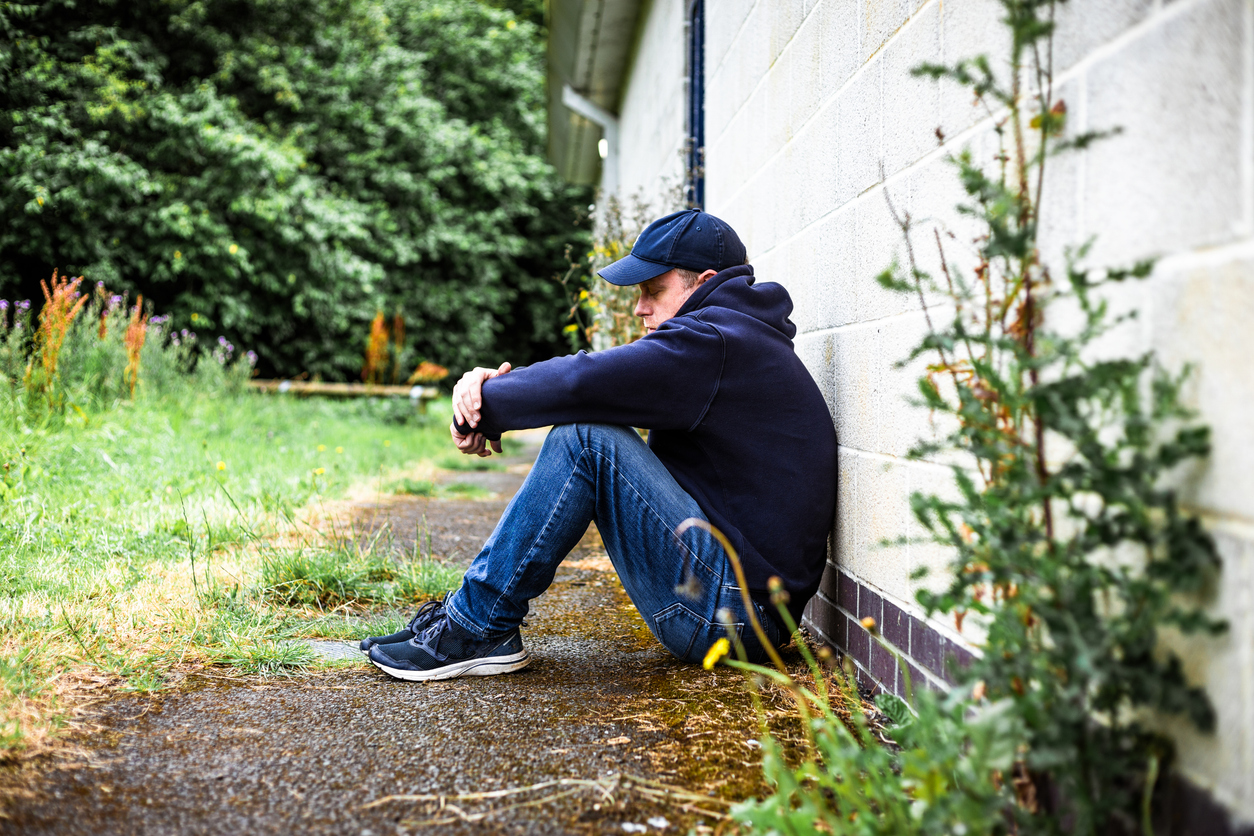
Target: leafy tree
[(280, 170)]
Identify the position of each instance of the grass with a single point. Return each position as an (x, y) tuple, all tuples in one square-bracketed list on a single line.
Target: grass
[(176, 531)]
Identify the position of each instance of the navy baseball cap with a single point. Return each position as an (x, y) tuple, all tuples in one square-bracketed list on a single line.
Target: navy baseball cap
[(689, 240)]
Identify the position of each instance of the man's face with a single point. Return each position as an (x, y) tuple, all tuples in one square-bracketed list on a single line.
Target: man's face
[(662, 296)]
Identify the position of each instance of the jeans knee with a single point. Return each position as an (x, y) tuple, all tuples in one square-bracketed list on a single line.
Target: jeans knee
[(590, 436)]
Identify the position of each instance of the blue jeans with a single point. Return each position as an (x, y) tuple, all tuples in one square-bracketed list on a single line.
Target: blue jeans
[(588, 472)]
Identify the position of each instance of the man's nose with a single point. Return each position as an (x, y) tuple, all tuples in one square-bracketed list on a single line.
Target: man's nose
[(641, 308)]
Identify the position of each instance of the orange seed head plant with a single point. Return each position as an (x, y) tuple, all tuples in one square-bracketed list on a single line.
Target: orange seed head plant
[(376, 350), (136, 333)]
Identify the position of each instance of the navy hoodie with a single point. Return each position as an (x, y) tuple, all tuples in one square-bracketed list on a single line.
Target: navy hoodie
[(731, 412)]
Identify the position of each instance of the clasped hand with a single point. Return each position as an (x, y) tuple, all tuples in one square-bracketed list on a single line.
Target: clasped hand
[(467, 406)]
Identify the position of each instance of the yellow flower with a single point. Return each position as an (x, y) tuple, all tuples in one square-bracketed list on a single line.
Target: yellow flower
[(322, 448), (717, 651), (318, 471), (221, 465), (234, 249), (583, 294), (510, 24), (195, 316), (177, 255), (339, 449), (40, 201), (570, 329), (869, 623), (387, 443)]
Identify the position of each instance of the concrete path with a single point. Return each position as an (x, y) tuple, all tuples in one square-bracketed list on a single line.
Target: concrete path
[(603, 733)]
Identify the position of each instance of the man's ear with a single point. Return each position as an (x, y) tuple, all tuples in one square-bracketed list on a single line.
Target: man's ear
[(704, 277)]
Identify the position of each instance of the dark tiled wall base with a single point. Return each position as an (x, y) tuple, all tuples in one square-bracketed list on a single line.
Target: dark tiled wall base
[(842, 602), (835, 614)]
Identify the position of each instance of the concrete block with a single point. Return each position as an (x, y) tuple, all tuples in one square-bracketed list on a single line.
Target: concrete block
[(756, 126), (1169, 182), (803, 281), (911, 105), (903, 424), (883, 510), (1223, 763), (757, 58), (846, 510), (857, 373), (723, 99), (1083, 27), (1061, 224), (778, 129), (815, 352), (805, 69), (925, 555), (807, 165), (837, 284), (822, 138), (785, 19), (859, 148), (970, 28), (878, 243), (1202, 316), (934, 193), (840, 44), (721, 31), (880, 21)]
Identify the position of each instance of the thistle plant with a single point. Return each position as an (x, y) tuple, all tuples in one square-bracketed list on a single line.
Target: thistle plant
[(1067, 540)]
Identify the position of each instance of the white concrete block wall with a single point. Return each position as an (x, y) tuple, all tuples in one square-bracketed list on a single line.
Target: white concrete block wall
[(812, 117), (652, 127)]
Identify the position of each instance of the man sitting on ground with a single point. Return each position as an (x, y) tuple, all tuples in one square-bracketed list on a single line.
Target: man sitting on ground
[(739, 436)]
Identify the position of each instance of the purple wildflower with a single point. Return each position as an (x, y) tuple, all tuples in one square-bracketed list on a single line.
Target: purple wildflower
[(4, 304), (24, 305)]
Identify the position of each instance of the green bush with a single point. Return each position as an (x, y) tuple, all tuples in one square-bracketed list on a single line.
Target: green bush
[(276, 171)]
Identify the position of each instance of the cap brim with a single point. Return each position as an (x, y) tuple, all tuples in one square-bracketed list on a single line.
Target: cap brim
[(631, 270)]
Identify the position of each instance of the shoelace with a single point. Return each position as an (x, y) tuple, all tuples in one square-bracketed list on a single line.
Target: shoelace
[(426, 613), (429, 638)]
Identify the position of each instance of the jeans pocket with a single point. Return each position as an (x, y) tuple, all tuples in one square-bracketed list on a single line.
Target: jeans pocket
[(687, 635)]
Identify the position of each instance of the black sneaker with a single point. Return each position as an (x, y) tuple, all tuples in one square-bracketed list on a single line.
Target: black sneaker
[(445, 651), (427, 613)]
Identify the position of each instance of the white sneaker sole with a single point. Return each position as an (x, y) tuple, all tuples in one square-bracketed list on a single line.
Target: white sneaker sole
[(488, 666)]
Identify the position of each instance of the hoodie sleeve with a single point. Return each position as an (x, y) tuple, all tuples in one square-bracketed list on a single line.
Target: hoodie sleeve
[(665, 380)]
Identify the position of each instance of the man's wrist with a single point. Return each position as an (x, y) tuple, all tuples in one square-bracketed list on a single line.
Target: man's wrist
[(463, 428)]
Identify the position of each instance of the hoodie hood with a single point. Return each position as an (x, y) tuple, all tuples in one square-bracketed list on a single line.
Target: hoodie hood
[(736, 289)]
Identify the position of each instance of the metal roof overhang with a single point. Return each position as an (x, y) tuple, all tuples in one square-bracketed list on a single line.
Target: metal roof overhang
[(590, 48)]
